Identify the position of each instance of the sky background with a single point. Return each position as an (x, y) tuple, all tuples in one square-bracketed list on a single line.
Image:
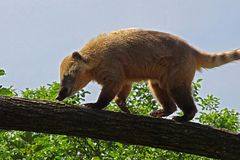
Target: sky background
[(35, 35)]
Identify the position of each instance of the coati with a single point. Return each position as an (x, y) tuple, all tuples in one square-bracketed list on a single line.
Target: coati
[(117, 59)]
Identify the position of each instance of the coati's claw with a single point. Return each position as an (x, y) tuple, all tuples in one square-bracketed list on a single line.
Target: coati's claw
[(159, 113), (122, 105), (124, 109), (180, 119), (90, 105)]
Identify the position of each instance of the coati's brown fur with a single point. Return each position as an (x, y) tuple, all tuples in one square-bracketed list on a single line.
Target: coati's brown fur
[(117, 59)]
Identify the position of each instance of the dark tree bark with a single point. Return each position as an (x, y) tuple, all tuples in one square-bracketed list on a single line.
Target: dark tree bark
[(56, 118)]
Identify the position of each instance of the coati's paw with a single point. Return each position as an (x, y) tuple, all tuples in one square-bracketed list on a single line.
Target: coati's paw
[(185, 117), (180, 119), (122, 105), (159, 113), (90, 105), (124, 109)]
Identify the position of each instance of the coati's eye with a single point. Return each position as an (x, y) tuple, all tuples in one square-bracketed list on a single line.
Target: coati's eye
[(67, 79), (65, 76)]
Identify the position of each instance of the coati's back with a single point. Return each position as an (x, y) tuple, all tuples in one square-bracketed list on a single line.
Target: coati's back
[(142, 54), (138, 48)]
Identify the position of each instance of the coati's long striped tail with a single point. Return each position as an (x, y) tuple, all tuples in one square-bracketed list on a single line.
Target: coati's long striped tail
[(207, 60)]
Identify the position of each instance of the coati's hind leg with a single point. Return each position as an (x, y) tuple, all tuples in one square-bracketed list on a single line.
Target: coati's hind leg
[(122, 96), (168, 105), (183, 98)]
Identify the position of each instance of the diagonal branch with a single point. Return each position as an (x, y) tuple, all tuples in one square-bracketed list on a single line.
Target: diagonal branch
[(56, 118)]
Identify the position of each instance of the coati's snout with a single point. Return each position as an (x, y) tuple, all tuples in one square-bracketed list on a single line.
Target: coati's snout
[(63, 93), (66, 88)]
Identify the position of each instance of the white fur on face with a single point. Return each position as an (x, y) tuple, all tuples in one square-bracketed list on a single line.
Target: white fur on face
[(73, 70)]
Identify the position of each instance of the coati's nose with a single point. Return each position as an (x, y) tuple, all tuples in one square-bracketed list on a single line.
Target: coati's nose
[(59, 98), (62, 94)]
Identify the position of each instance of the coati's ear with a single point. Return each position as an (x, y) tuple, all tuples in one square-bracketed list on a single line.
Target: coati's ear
[(77, 56)]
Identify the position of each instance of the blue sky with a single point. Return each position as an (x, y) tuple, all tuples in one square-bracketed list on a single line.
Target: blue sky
[(37, 34)]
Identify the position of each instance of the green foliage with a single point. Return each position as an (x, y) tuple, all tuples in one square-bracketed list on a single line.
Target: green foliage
[(50, 93), (6, 91), (2, 72), (30, 145), (225, 118), (212, 115)]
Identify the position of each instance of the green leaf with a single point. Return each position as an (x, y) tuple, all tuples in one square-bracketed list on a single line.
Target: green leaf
[(2, 72), (6, 92), (96, 158)]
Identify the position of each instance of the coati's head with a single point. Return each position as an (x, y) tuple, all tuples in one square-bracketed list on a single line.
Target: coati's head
[(73, 75)]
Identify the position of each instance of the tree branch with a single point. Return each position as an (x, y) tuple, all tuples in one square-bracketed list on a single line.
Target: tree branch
[(56, 118)]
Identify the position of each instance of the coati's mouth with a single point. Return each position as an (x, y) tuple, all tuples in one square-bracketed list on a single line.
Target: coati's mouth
[(63, 93)]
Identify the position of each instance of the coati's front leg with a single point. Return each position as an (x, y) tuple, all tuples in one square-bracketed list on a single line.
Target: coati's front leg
[(107, 94), (122, 96), (168, 105)]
